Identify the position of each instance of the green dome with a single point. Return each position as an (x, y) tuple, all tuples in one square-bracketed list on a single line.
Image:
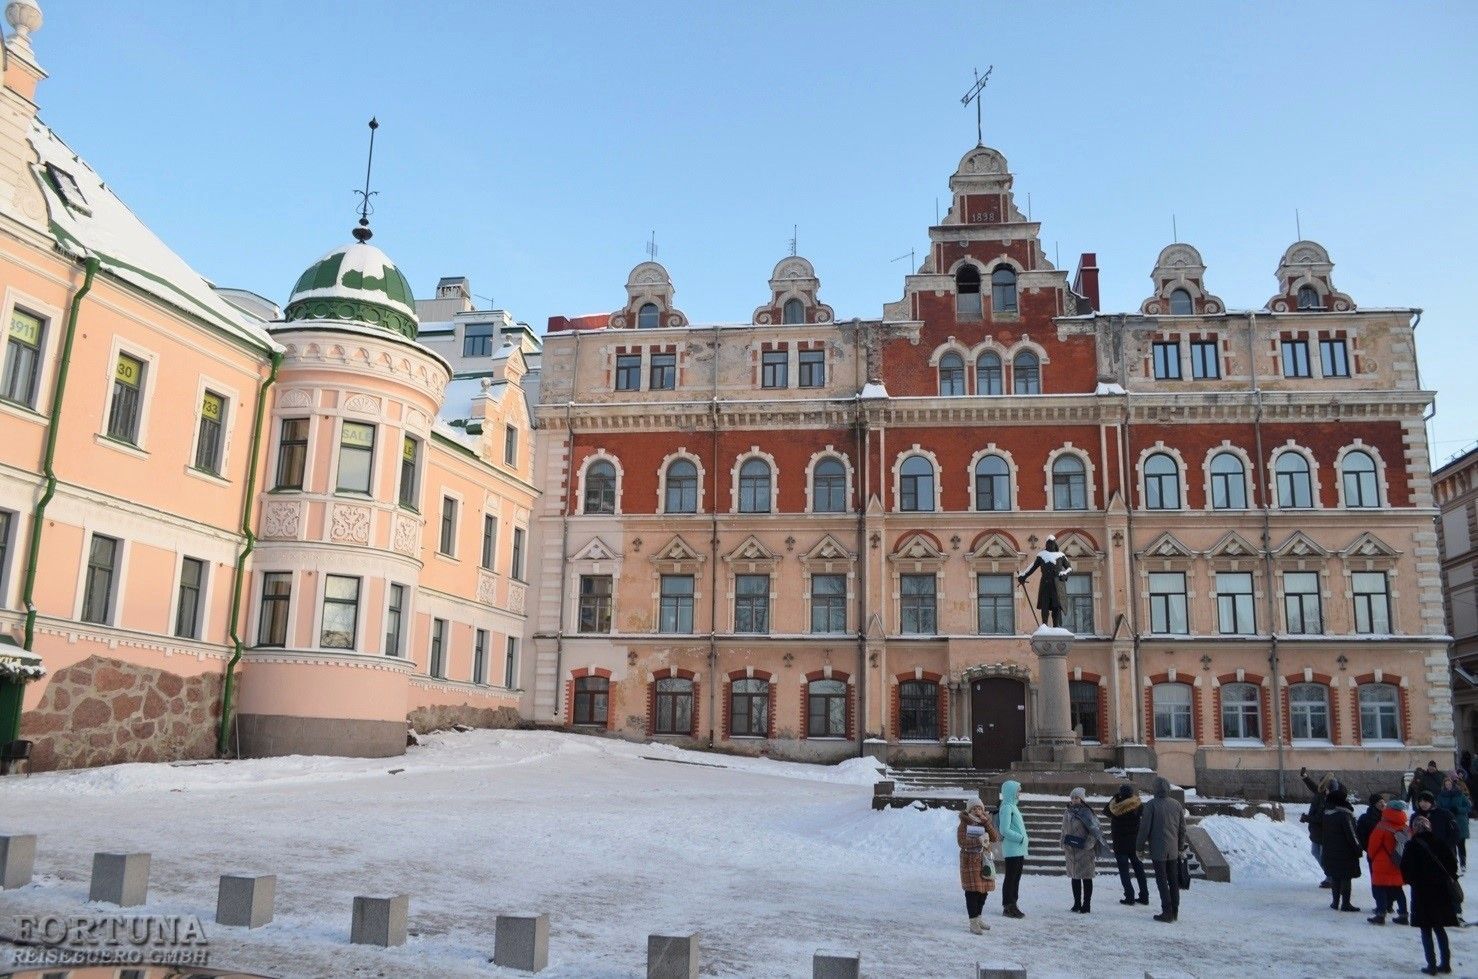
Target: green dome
[(359, 284)]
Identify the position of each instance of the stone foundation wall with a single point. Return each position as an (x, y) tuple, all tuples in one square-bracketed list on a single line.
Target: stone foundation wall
[(442, 716), (1263, 783), (103, 711), (274, 735)]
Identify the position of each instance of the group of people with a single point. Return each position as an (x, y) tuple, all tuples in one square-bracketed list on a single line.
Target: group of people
[(1156, 828), (1418, 842)]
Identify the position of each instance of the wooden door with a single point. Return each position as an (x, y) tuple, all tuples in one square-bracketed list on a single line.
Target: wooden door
[(997, 722)]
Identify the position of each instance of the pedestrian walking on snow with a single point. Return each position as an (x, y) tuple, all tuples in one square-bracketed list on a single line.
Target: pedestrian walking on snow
[(1162, 831), (1454, 800), (1124, 812), (1431, 870), (1387, 843), (1014, 843), (1082, 842), (977, 835), (1341, 857)]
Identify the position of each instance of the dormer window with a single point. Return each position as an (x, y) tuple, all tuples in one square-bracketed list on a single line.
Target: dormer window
[(477, 340), (1180, 303), (66, 186), (1003, 289), (967, 293), (648, 317), (793, 312), (1308, 298)]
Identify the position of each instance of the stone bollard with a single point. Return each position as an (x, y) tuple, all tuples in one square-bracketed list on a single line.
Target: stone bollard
[(522, 942), (999, 970), (17, 859), (380, 920), (120, 878), (836, 965), (245, 902), (672, 956)]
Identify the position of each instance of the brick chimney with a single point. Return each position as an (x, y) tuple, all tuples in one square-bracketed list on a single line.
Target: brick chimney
[(1085, 280)]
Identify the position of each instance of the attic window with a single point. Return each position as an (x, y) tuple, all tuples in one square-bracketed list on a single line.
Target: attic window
[(794, 311), (1180, 303), (67, 187), (647, 318), (1308, 298)]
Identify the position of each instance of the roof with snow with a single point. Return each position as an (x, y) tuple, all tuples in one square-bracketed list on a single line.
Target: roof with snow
[(358, 283)]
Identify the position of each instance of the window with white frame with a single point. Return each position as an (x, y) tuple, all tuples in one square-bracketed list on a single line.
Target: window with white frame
[(775, 369), (951, 375), (356, 457), (749, 708), (992, 484), (1302, 611), (1161, 482), (447, 542), (210, 433), (395, 621), (1003, 289), (916, 485), (1380, 712), (1228, 482), (674, 705), (510, 664), (1234, 606), (410, 454), (1069, 483), (1372, 602), (595, 603), (600, 488), (1295, 485), (628, 372), (510, 445), (1167, 360), (828, 603), (1172, 703), (988, 373), (967, 293), (829, 486), (340, 612), (675, 612), (101, 579), (22, 370), (1168, 603), (752, 603), (1357, 471), (812, 365), (1205, 360), (995, 605), (489, 542), (437, 662), (917, 605), (1077, 604), (1334, 358), (127, 404), (515, 564), (918, 710), (1308, 297), (1026, 373), (292, 454), (1241, 713), (480, 656), (754, 486), (680, 488), (7, 547), (188, 604), (1308, 711), (1295, 358), (277, 593)]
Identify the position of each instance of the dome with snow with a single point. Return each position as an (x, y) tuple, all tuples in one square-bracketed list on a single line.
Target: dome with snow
[(357, 283)]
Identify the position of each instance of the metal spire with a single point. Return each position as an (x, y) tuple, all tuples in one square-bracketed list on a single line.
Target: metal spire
[(974, 95), (363, 232)]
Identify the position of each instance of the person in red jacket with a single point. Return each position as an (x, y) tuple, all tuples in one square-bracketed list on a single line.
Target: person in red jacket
[(1389, 836)]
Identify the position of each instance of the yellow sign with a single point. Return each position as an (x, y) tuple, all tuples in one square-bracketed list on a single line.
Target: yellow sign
[(129, 371), (358, 435), (25, 328), (213, 406), (410, 450)]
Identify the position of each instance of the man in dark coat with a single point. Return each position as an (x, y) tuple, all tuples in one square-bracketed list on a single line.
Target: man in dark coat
[(1341, 856), (1124, 814), (1315, 816), (1055, 568), (1370, 818), (1444, 826), (1162, 831), (1427, 779), (1429, 868)]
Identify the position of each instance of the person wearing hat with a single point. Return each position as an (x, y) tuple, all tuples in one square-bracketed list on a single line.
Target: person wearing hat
[(1444, 827), (1341, 852), (1055, 568), (1431, 870), (975, 836), (1082, 842), (1387, 842), (1124, 812), (1454, 800)]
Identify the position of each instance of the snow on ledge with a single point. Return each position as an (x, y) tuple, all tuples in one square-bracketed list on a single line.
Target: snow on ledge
[(1054, 632), (1109, 389)]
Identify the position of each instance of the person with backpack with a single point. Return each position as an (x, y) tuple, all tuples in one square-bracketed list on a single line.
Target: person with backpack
[(1082, 842), (1123, 813), (1315, 816), (976, 835), (1014, 843), (1431, 870), (1454, 800), (1341, 853), (1387, 843)]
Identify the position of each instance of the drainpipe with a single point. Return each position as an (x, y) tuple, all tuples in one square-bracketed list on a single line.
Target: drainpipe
[(564, 546), (238, 576), (38, 517), (862, 439), (713, 559), (1127, 485), (1275, 690)]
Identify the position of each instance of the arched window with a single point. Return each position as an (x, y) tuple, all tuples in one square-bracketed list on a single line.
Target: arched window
[(1161, 483), (1180, 303), (754, 486), (794, 311), (592, 694), (749, 708), (967, 292), (992, 484), (648, 317), (1173, 718), (682, 487), (1003, 289), (951, 374), (988, 373), (600, 488), (1241, 713), (1308, 298), (1228, 482), (1069, 483), (829, 486), (1026, 373), (1380, 712), (826, 709), (916, 485), (1308, 711), (918, 710), (1295, 489), (673, 703), (1358, 473)]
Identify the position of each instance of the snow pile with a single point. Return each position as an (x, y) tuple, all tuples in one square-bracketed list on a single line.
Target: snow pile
[(1261, 849)]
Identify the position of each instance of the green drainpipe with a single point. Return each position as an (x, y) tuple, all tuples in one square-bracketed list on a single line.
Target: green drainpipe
[(239, 576), (38, 518)]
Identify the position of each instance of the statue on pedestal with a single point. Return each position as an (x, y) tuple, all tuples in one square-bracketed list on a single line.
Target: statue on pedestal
[(1054, 566)]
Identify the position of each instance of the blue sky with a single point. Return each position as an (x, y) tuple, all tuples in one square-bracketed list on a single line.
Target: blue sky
[(534, 146)]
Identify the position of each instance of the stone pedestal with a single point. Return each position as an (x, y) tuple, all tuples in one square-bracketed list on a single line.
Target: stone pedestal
[(672, 956), (960, 753), (836, 965), (876, 749), (522, 942), (17, 859), (1055, 741), (245, 902), (380, 920), (120, 878)]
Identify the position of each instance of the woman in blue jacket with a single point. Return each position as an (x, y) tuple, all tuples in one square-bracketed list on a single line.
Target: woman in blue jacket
[(1013, 846)]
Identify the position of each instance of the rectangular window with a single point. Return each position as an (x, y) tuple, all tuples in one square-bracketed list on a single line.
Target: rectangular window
[(340, 612), (277, 593), (828, 603), (1295, 358), (187, 608), (410, 453), (447, 544), (1234, 604), (917, 606), (775, 369), (1372, 603), (1172, 711), (1241, 715), (22, 359), (663, 373), (7, 527), (995, 605), (127, 403), (1082, 698), (749, 708), (1167, 361), (480, 656), (1167, 603), (1308, 712), (1380, 713), (209, 440), (1334, 359), (813, 368), (394, 620), (102, 570), (752, 603), (292, 453), (1205, 360), (628, 372), (510, 445), (676, 613), (510, 664), (515, 567), (356, 457), (489, 542), (437, 664), (918, 711), (477, 340), (1077, 605), (1301, 611), (595, 603)]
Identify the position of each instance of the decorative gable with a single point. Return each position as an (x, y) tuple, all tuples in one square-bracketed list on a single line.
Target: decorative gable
[(1078, 547), (1299, 546), (827, 551), (920, 551), (596, 550), (994, 551), (1370, 549), (677, 556), (1232, 547), (752, 555), (1169, 549)]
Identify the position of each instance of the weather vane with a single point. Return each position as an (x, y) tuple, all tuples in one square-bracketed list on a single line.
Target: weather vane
[(652, 247), (363, 232), (974, 96)]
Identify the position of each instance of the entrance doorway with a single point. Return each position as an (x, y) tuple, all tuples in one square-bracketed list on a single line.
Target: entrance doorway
[(10, 710), (997, 722)]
